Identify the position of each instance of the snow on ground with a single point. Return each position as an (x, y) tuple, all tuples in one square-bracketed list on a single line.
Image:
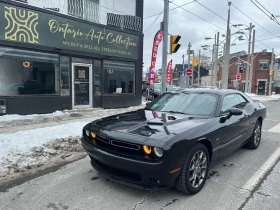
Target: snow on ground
[(275, 96), (13, 117), (19, 148)]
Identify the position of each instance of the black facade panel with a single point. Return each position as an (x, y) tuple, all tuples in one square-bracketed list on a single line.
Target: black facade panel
[(97, 102), (37, 104), (120, 101)]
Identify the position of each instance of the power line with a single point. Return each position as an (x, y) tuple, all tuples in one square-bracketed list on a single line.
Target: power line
[(255, 23), (199, 17), (252, 19), (211, 11), (260, 9), (170, 9), (153, 22), (271, 15)]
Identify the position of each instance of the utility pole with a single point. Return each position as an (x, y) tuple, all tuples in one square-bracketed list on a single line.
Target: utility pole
[(192, 71), (212, 66), (237, 72), (189, 59), (226, 63), (270, 77), (252, 63), (198, 70), (248, 60), (216, 59), (165, 43)]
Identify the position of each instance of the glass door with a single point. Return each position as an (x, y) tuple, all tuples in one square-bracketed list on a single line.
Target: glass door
[(82, 85)]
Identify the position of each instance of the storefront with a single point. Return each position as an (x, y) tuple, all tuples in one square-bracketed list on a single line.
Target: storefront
[(50, 61)]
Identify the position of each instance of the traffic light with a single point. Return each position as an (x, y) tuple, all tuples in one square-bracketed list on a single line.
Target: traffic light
[(174, 39), (271, 72), (195, 61), (241, 69)]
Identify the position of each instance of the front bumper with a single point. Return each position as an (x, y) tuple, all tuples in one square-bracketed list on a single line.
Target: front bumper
[(144, 174)]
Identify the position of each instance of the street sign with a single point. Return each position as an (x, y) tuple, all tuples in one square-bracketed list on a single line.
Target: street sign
[(237, 63), (189, 72), (238, 77)]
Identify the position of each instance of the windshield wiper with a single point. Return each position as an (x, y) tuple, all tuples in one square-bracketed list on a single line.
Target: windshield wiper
[(175, 112)]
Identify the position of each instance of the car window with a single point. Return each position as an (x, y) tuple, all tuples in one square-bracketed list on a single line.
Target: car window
[(232, 101)]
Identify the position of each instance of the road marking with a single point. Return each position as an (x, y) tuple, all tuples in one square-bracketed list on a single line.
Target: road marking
[(251, 183), (275, 129)]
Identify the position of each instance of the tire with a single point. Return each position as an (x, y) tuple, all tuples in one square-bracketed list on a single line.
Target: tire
[(255, 139), (193, 185)]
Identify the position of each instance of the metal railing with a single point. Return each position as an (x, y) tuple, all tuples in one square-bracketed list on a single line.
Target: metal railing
[(92, 11)]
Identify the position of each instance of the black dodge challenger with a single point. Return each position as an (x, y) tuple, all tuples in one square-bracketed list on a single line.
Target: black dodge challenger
[(173, 140)]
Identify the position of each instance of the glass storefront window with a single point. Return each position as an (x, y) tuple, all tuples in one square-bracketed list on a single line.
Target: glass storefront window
[(64, 76), (24, 72), (119, 77), (97, 77)]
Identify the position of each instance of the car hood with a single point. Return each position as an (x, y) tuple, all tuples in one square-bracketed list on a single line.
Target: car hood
[(146, 123)]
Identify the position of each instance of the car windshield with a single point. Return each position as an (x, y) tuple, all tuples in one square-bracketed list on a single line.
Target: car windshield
[(185, 103)]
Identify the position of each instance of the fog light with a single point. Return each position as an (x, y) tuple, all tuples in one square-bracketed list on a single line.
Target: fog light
[(158, 152), (147, 149), (93, 135)]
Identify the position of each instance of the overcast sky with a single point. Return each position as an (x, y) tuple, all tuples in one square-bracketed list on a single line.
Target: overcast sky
[(193, 29)]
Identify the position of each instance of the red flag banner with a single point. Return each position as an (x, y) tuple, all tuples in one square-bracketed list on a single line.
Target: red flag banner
[(169, 72), (157, 40)]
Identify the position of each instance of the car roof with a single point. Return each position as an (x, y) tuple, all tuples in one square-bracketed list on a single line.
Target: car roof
[(207, 90)]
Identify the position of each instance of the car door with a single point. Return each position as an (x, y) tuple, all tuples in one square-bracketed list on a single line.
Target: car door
[(234, 129)]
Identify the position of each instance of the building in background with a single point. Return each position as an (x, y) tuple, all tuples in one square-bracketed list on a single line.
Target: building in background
[(67, 54), (260, 80)]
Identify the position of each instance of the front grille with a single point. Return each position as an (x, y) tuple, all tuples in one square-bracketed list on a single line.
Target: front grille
[(116, 172), (125, 145)]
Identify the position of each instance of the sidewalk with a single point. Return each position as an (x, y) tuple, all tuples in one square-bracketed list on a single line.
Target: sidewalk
[(263, 97)]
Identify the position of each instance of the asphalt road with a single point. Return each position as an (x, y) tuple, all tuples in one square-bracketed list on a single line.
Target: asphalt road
[(78, 186)]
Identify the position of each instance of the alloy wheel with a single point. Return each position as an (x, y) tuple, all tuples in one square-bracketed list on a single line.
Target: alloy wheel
[(198, 168), (257, 135)]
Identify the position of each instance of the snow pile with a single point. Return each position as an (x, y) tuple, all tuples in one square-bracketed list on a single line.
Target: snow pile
[(277, 96), (37, 157), (250, 94), (13, 117), (24, 141)]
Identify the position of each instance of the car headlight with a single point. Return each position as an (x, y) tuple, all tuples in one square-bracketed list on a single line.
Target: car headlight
[(158, 152), (147, 149), (87, 133)]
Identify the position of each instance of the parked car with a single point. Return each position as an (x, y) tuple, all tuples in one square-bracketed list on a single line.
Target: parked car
[(155, 90), (173, 140)]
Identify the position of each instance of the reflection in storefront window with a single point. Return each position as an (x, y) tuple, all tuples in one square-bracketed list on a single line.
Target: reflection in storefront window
[(119, 77), (64, 76), (24, 72), (97, 77)]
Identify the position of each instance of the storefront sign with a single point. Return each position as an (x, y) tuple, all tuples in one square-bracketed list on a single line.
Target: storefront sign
[(157, 40), (169, 72), (38, 28)]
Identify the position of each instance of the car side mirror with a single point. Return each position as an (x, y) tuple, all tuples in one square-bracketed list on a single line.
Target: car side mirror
[(233, 112), (236, 112), (148, 103)]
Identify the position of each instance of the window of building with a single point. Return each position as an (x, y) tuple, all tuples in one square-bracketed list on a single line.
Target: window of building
[(263, 65), (85, 9), (119, 77), (64, 76), (24, 72), (97, 77)]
